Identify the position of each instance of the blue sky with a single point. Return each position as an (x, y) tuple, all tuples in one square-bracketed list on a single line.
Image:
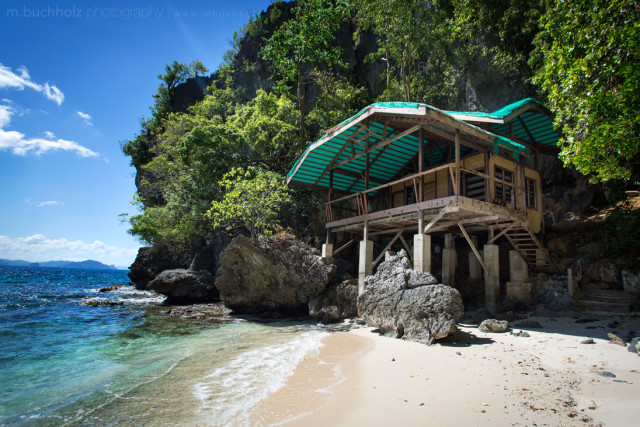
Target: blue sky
[(75, 78)]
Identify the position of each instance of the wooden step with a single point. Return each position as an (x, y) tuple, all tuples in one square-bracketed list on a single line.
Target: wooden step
[(615, 307)]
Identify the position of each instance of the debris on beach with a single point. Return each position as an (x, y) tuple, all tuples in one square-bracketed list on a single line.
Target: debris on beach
[(614, 339), (588, 341), (607, 374)]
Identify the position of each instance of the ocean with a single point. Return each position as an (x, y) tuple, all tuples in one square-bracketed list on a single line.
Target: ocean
[(73, 355)]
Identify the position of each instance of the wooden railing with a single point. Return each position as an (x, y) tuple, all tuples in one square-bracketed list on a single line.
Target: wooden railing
[(362, 204)]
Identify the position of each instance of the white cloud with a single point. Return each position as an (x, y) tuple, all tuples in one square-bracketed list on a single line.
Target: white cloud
[(86, 117), (5, 114), (43, 204), (38, 247), (10, 79), (18, 144)]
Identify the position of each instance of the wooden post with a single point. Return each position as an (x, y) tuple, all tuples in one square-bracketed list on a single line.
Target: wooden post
[(420, 165), (457, 141), (330, 210), (523, 189), (366, 186)]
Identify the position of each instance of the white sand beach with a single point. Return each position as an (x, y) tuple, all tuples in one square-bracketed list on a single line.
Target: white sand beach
[(470, 378)]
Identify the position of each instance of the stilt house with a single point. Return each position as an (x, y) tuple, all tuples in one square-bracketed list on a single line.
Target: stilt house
[(401, 169)]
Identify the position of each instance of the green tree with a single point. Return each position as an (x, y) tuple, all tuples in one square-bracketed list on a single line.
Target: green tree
[(303, 42), (251, 203), (591, 74), (409, 32), (268, 127)]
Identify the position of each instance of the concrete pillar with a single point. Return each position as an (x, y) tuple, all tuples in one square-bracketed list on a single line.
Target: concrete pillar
[(449, 258), (492, 278), (327, 250), (518, 270), (540, 258), (365, 263), (422, 252), (475, 268), (519, 288)]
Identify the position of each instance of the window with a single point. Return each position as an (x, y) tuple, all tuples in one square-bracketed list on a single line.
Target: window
[(502, 191), (530, 188), (474, 185)]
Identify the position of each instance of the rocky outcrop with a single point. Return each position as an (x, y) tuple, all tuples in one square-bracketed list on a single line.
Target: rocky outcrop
[(185, 286), (336, 303), (147, 266), (273, 277), (409, 304)]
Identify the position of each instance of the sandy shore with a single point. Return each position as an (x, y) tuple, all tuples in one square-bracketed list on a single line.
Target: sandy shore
[(470, 378)]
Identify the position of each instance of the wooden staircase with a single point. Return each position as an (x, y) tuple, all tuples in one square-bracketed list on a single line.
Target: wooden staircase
[(528, 245)]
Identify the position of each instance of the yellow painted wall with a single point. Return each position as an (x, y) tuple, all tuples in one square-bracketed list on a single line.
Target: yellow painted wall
[(534, 215)]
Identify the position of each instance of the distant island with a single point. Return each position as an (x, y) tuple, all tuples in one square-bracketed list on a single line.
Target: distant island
[(85, 265)]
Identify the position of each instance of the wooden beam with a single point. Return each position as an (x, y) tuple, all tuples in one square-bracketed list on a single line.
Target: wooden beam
[(345, 246), (379, 145), (473, 247), (457, 161), (449, 136), (437, 217), (409, 254), (377, 260), (497, 236)]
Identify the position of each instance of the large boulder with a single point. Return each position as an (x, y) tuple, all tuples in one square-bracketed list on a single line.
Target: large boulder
[(185, 286), (272, 277), (148, 264), (336, 303), (409, 304)]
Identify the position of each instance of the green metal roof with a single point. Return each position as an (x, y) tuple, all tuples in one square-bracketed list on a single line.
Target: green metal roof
[(532, 122), (335, 151)]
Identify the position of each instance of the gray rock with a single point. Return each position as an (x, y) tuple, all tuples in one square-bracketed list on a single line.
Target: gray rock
[(522, 334), (607, 374), (147, 265), (588, 341), (493, 325), (631, 281), (634, 345), (405, 303), (271, 277), (604, 270), (336, 302), (185, 286)]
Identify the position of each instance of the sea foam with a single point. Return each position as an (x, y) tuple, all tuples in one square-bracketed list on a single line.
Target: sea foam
[(229, 392)]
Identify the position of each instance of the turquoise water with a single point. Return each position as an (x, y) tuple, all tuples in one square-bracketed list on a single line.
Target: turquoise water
[(67, 358)]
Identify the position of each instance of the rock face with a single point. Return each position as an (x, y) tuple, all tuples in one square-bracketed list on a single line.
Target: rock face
[(148, 264), (409, 304), (276, 276), (337, 302), (493, 325), (185, 286)]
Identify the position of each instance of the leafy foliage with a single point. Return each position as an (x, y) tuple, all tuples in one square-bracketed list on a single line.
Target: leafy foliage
[(620, 232), (305, 42), (590, 51), (252, 200)]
